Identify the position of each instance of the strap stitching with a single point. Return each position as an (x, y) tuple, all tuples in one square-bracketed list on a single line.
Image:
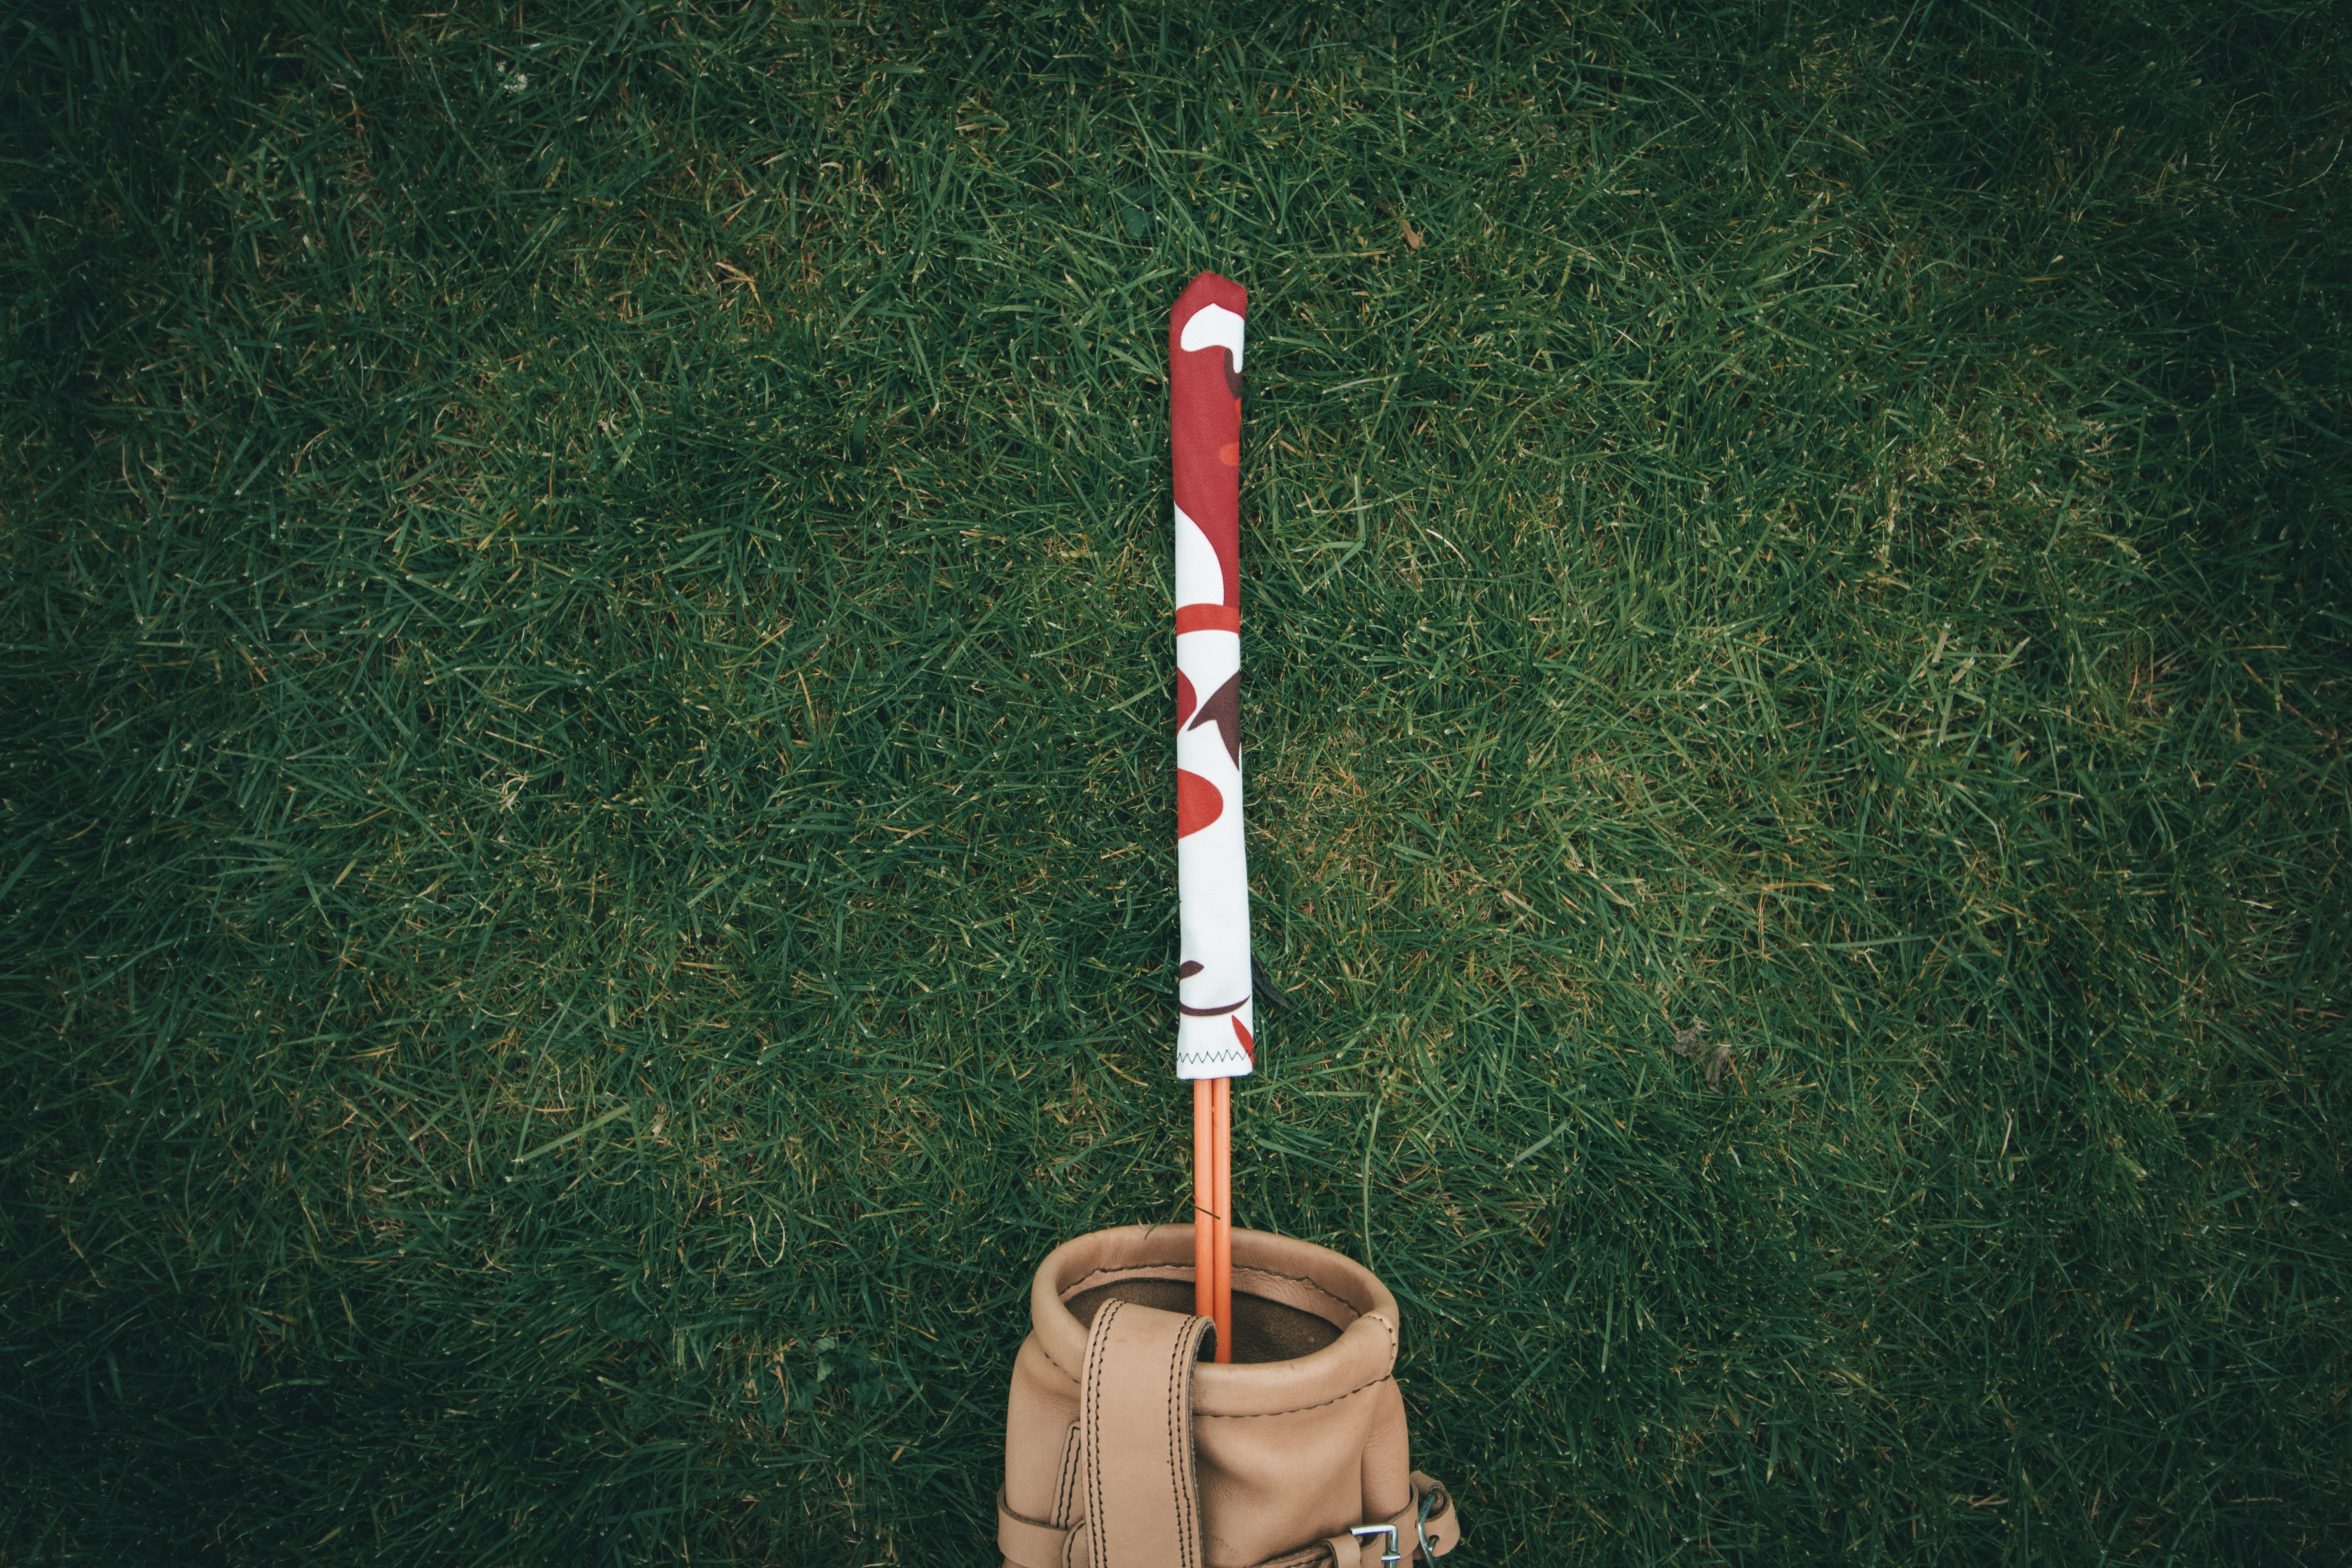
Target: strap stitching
[(1194, 1333), (1189, 1355), (1175, 1417), (1072, 1459), (1096, 1350)]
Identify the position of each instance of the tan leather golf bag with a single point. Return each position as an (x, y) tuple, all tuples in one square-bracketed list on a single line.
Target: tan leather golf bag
[(1125, 1450)]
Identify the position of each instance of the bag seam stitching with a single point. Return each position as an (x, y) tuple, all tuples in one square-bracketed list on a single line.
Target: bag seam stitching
[(1262, 1415), (1049, 1357)]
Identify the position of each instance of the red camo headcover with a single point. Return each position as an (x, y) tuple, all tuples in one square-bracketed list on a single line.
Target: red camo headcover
[(1204, 363)]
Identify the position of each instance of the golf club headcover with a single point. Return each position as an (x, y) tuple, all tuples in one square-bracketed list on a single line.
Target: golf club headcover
[(1214, 1036)]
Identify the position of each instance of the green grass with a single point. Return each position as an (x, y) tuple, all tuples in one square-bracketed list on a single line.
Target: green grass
[(585, 806)]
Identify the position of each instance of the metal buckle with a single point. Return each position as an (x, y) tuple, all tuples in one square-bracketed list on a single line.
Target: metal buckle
[(1420, 1525), (1361, 1531)]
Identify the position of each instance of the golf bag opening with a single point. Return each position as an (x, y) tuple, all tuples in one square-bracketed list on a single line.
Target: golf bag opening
[(1124, 1444)]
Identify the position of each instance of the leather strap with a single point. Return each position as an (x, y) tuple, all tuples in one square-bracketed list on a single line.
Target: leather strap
[(1135, 1438), (1134, 1463), (1027, 1543), (1445, 1531)]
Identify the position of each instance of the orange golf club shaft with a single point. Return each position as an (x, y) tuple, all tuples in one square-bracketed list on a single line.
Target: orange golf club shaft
[(1204, 1200), (1222, 1102)]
